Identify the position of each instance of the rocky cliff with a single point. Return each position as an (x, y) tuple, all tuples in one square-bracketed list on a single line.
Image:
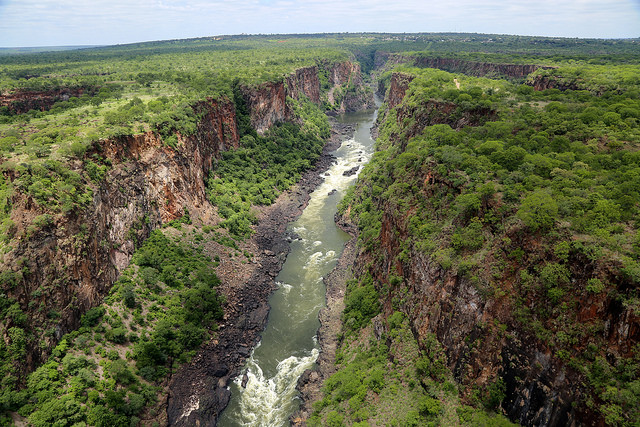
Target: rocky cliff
[(456, 65), (486, 329), (22, 101), (476, 68), (483, 338), (347, 91), (67, 266), (553, 82), (398, 86)]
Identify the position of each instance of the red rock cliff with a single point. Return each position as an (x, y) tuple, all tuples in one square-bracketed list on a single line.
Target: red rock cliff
[(21, 101), (68, 266), (267, 102), (455, 65)]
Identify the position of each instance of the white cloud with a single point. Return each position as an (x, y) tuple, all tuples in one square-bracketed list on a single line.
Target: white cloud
[(48, 22)]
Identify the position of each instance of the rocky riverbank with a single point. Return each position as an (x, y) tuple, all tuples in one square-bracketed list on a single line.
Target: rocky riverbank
[(198, 391)]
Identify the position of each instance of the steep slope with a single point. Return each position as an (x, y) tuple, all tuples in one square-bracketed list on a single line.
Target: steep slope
[(465, 233), (65, 266), (457, 65)]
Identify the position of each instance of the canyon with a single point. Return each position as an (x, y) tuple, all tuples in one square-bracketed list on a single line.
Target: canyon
[(68, 265), (65, 266)]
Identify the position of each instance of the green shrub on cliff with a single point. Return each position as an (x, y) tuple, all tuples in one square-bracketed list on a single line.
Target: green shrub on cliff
[(516, 208), (68, 389)]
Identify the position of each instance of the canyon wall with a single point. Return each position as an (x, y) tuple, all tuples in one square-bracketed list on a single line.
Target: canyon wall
[(68, 266), (22, 101), (478, 327), (267, 102), (60, 269), (457, 65)]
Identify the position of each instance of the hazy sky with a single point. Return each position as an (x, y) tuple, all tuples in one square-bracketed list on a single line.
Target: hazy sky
[(84, 22)]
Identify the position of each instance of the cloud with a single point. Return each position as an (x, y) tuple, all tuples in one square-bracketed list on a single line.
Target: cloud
[(49, 22)]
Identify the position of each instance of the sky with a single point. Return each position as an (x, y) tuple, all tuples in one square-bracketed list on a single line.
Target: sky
[(105, 22)]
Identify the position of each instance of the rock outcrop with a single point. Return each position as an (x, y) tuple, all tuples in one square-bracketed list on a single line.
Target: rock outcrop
[(552, 82), (456, 65), (348, 92), (398, 86), (22, 101), (267, 102)]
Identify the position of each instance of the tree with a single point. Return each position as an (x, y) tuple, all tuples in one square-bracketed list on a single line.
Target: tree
[(538, 210)]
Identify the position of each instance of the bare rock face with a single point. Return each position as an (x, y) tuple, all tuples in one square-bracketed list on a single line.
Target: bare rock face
[(69, 265), (455, 65), (304, 82), (476, 68), (267, 102), (21, 101), (398, 86), (552, 82), (356, 97)]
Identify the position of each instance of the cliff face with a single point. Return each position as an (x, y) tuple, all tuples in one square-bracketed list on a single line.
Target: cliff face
[(304, 82), (556, 82), (540, 387), (397, 88), (267, 103), (21, 101), (348, 92), (478, 69), (478, 326), (454, 65), (67, 267)]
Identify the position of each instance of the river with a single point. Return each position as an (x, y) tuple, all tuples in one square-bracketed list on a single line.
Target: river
[(288, 346)]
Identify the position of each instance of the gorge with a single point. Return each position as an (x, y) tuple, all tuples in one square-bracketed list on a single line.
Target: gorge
[(491, 272)]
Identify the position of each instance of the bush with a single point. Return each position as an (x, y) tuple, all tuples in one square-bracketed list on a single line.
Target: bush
[(361, 303), (538, 210)]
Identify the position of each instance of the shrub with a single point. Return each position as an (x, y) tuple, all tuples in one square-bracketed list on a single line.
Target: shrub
[(538, 210)]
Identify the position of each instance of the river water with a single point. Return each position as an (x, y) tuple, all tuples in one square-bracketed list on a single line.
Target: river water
[(288, 346)]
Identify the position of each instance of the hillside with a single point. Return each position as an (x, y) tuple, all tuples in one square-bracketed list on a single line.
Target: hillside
[(497, 258)]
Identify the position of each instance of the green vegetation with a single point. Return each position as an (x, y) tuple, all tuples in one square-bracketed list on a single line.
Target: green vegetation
[(517, 205), (388, 380), (110, 369), (560, 166), (265, 165)]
